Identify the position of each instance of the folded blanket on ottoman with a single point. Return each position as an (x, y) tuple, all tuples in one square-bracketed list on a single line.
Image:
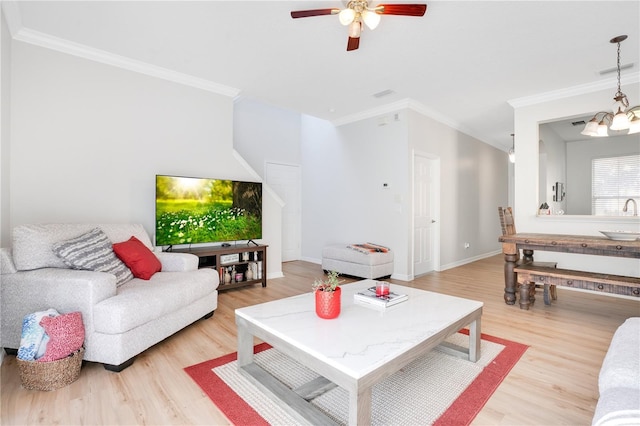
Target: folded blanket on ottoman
[(367, 248)]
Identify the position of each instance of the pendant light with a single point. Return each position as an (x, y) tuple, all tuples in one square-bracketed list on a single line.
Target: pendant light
[(623, 117)]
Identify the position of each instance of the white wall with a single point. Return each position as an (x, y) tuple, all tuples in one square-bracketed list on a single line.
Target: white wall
[(343, 199), (5, 130), (527, 119), (344, 170), (88, 140), (5, 133), (264, 133), (474, 182)]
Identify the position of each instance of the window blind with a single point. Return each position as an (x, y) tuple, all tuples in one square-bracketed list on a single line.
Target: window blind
[(614, 180)]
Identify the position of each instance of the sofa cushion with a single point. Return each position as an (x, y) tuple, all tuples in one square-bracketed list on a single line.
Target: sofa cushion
[(31, 245), (139, 302), (618, 407), (138, 258), (621, 364), (66, 335), (92, 251)]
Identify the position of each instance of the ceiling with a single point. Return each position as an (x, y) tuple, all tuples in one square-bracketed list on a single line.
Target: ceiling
[(461, 63)]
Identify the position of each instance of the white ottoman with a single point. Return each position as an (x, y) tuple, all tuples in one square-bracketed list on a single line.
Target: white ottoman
[(347, 261)]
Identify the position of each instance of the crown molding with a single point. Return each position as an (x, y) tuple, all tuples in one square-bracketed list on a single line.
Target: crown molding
[(418, 107), (582, 89), (406, 103), (446, 120), (37, 38)]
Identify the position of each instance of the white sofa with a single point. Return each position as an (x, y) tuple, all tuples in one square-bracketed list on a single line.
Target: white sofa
[(120, 321), (619, 379)]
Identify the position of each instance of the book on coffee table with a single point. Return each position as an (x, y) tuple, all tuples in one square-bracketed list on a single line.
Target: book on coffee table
[(368, 297)]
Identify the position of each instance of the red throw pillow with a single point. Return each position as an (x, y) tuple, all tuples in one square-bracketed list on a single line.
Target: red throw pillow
[(66, 335), (142, 262)]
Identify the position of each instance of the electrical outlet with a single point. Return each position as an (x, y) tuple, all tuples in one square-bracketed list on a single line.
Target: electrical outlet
[(467, 245)]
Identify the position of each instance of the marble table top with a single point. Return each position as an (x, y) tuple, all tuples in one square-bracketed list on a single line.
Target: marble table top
[(362, 338)]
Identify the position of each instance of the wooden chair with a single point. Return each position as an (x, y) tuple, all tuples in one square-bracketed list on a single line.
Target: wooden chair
[(508, 225)]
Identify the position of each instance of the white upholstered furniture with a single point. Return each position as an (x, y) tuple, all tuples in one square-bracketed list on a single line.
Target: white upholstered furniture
[(619, 380), (120, 322), (346, 261)]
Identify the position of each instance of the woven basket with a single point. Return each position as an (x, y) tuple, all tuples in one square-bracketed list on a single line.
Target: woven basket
[(52, 375)]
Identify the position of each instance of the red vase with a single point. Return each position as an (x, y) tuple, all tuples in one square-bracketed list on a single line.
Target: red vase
[(328, 303)]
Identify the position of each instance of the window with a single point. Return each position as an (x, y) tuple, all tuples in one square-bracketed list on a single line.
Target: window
[(614, 180)]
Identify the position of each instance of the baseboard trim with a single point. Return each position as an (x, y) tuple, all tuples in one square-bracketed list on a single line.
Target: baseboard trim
[(469, 260), (273, 275), (312, 260)]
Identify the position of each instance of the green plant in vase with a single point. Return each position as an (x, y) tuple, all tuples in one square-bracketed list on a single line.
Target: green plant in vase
[(328, 295), (328, 283)]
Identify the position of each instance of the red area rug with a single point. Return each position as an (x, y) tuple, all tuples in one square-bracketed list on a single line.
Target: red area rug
[(440, 389)]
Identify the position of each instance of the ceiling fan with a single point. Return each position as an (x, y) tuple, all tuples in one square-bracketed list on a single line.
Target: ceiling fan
[(358, 12)]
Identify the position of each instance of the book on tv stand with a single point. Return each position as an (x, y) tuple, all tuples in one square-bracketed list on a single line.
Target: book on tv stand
[(368, 297)]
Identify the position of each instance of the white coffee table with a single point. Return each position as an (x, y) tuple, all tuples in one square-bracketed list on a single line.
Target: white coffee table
[(356, 350)]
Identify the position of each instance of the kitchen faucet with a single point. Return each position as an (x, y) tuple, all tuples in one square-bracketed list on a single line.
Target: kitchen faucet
[(635, 206)]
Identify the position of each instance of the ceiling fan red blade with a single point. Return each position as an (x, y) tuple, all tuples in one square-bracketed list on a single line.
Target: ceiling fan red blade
[(402, 9), (313, 12), (353, 43)]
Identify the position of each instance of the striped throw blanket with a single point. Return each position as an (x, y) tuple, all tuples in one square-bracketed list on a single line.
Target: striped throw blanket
[(368, 248)]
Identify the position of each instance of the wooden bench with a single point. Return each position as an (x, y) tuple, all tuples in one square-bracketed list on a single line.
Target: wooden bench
[(529, 274)]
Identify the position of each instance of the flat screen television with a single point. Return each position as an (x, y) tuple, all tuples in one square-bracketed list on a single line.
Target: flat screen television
[(193, 210)]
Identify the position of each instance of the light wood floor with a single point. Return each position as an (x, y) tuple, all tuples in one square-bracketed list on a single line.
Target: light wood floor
[(554, 383)]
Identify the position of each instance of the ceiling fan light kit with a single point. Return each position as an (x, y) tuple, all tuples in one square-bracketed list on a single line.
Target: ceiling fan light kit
[(371, 19), (346, 16), (623, 117), (358, 11)]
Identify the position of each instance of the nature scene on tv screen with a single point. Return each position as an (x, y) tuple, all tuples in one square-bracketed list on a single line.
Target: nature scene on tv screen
[(193, 210)]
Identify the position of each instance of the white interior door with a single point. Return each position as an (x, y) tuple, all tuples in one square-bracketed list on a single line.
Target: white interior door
[(284, 179), (426, 177)]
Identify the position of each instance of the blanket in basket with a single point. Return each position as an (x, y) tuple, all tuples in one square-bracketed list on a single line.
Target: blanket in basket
[(33, 341), (49, 336)]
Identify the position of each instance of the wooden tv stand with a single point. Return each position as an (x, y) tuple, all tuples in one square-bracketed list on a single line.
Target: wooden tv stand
[(222, 259)]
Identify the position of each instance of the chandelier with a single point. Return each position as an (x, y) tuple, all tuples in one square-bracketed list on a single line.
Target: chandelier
[(623, 117)]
